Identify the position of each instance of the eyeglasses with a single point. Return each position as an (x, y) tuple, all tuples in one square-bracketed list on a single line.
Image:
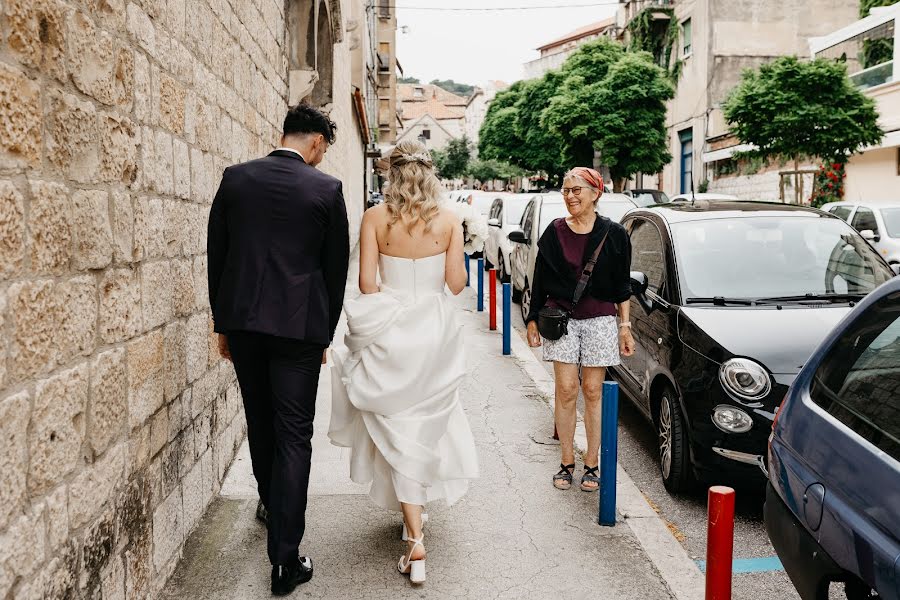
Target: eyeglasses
[(575, 191)]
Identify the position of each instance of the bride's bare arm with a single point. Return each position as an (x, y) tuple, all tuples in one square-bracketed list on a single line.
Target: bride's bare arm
[(455, 273), (368, 254)]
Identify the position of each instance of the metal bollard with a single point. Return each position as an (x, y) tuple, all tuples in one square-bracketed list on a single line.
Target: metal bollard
[(609, 452), (719, 542), (507, 321), (480, 285), (492, 284), (468, 274)]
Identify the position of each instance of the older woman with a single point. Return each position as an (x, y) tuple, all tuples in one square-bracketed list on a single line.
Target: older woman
[(595, 339)]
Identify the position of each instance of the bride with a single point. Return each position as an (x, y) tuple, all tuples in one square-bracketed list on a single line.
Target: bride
[(396, 385)]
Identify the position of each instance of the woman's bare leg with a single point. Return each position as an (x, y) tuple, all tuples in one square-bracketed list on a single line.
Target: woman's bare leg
[(592, 386), (566, 376), (412, 516)]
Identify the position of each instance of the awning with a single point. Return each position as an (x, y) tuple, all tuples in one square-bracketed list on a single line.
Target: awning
[(724, 153)]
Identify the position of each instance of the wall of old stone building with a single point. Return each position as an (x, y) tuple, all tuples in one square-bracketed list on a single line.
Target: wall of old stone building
[(118, 418)]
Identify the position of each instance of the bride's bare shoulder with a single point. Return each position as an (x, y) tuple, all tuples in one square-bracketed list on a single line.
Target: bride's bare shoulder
[(448, 215)]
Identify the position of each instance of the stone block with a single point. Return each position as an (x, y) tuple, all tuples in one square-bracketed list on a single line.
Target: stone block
[(36, 34), (157, 157), (91, 231), (200, 177), (4, 343), (145, 377), (49, 227), (97, 548), (110, 14), (120, 305), (182, 169), (176, 412), (193, 496), (118, 149), (95, 485), (12, 230), (149, 225), (58, 517), (185, 296), (20, 119), (169, 102), (14, 416), (112, 580), (122, 223), (141, 29), (201, 283), (57, 428), (59, 578), (159, 431), (175, 360), (197, 346), (175, 229), (203, 431), (71, 137), (100, 66), (77, 302), (142, 88), (190, 115), (156, 294), (168, 529), (196, 220), (108, 409), (174, 17), (205, 129), (23, 547), (35, 317)]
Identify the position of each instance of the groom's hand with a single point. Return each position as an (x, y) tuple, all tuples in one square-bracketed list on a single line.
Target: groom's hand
[(223, 347), (325, 356)]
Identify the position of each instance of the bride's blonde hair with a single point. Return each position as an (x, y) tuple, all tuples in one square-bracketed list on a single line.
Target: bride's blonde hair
[(414, 192)]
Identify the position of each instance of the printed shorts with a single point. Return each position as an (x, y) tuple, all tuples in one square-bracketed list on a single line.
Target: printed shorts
[(589, 343)]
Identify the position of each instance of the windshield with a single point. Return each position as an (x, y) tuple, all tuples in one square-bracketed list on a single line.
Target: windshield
[(549, 213), (514, 210), (761, 257), (891, 218), (645, 199)]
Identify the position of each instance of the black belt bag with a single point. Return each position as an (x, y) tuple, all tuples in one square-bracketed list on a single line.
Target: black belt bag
[(553, 323)]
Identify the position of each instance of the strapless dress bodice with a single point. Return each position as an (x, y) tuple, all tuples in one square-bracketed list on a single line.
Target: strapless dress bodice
[(420, 276)]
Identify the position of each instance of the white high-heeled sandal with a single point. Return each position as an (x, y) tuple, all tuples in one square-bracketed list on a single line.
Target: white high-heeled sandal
[(414, 568), (405, 535)]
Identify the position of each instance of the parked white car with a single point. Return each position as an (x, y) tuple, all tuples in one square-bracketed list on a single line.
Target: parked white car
[(877, 222), (542, 210), (704, 196), (504, 217)]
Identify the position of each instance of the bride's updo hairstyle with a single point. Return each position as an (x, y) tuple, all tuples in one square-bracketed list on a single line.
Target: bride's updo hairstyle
[(414, 192)]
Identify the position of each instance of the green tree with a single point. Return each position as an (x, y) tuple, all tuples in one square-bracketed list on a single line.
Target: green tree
[(490, 169), (460, 89), (453, 161), (866, 6), (613, 102), (541, 149), (408, 80), (790, 110), (497, 138)]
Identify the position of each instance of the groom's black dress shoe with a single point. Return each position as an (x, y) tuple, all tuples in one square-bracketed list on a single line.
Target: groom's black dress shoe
[(262, 513), (286, 578)]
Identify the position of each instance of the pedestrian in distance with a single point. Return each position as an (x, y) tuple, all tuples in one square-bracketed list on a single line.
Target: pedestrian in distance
[(395, 387), (581, 286), (278, 245)]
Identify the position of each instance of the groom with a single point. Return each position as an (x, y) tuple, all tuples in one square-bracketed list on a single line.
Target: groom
[(278, 245)]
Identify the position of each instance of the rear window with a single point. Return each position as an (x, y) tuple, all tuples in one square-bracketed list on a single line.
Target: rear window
[(891, 218), (859, 380), (842, 212)]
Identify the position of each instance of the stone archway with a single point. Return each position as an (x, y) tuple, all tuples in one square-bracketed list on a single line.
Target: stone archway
[(322, 92), (314, 27)]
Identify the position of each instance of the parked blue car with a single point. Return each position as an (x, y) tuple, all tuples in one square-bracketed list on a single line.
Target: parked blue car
[(833, 499)]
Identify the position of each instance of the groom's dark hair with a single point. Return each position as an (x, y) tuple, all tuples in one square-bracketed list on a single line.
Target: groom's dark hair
[(304, 119)]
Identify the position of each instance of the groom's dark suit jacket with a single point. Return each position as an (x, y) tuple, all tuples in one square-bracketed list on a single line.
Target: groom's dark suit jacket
[(278, 245)]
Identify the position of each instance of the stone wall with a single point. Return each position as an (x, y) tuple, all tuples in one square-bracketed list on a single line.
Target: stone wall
[(117, 417)]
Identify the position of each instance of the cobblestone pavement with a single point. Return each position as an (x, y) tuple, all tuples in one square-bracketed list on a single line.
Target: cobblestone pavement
[(512, 536)]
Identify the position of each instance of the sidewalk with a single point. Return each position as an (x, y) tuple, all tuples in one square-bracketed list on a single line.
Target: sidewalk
[(512, 536)]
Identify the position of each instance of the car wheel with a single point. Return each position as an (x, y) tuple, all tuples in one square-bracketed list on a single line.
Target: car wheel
[(526, 303), (674, 456)]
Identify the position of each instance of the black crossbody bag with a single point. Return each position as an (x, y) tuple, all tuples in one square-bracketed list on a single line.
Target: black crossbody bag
[(553, 323)]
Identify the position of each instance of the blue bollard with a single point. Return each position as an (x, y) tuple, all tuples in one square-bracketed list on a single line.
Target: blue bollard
[(480, 285), (507, 321), (468, 275), (609, 451)]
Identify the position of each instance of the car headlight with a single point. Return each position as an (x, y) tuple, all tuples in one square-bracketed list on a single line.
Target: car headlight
[(745, 379), (731, 419)]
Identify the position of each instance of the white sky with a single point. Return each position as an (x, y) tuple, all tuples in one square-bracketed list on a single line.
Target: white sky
[(477, 46)]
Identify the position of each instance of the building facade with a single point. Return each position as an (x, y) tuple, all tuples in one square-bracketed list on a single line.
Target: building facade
[(476, 109), (431, 114), (118, 418), (555, 53), (716, 40), (871, 49)]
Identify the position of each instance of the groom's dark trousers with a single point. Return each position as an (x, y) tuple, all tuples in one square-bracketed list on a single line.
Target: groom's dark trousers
[(278, 253)]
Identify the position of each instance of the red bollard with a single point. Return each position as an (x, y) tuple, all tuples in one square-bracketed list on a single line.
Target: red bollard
[(492, 282), (719, 543)]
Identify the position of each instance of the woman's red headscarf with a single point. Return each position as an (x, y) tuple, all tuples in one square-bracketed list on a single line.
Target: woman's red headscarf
[(592, 177)]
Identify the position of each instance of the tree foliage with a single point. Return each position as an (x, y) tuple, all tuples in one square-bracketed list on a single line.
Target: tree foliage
[(866, 6), (791, 109), (408, 80), (490, 169), (453, 161), (460, 89)]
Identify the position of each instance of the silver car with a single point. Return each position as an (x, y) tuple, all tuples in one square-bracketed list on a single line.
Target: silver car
[(879, 223)]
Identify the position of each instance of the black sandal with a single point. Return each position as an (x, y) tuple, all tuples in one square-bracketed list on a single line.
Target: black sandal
[(563, 479), (590, 476)]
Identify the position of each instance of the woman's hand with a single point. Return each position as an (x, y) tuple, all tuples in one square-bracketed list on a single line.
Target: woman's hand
[(626, 341), (534, 336)]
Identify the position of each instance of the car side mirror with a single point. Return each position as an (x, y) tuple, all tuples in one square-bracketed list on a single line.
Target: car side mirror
[(639, 285), (517, 236), (494, 222), (869, 235)]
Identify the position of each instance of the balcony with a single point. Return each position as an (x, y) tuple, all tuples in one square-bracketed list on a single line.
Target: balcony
[(633, 8)]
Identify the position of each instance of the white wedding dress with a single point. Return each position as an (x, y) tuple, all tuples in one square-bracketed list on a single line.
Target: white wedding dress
[(395, 388)]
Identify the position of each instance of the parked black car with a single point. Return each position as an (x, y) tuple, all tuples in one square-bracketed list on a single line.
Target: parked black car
[(731, 300)]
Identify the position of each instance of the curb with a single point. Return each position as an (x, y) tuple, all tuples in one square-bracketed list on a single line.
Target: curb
[(680, 574)]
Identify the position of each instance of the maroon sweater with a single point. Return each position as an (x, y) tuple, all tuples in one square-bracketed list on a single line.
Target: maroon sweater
[(573, 247)]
